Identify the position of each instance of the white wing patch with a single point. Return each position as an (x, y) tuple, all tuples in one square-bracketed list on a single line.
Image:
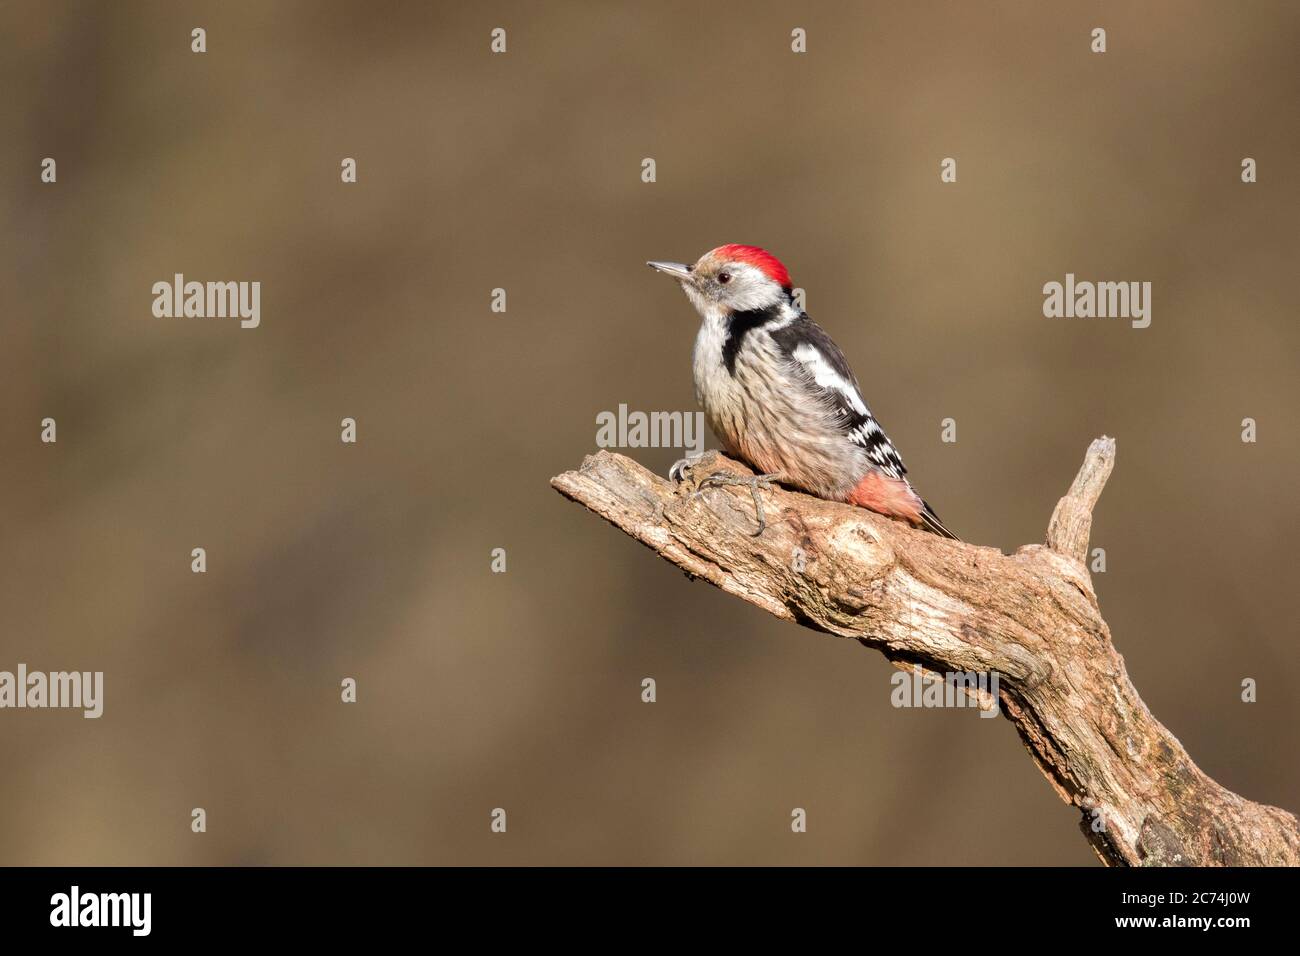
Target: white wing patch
[(825, 376), (862, 434), (814, 354)]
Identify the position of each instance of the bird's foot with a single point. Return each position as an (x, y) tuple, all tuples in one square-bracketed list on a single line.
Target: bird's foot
[(753, 482)]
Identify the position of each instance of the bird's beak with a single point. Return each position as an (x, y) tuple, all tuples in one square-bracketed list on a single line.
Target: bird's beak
[(677, 270)]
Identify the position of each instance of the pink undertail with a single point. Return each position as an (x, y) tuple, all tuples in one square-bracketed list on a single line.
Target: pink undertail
[(894, 498)]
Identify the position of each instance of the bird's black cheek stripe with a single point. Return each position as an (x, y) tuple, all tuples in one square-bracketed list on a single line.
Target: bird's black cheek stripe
[(739, 325)]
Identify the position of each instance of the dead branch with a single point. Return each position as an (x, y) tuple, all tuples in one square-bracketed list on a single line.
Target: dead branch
[(1031, 617)]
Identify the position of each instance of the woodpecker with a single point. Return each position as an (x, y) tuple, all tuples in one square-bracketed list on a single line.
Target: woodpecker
[(779, 394)]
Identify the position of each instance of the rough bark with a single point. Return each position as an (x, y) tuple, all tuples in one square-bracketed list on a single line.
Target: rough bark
[(923, 601)]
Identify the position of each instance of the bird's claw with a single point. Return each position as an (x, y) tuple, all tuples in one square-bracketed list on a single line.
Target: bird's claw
[(681, 466), (753, 482)]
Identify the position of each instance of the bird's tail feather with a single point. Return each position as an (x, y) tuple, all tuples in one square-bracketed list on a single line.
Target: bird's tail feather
[(930, 522)]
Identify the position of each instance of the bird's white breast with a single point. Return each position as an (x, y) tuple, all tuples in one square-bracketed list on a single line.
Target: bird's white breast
[(765, 418)]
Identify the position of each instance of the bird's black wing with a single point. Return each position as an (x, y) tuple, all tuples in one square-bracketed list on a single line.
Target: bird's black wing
[(826, 371)]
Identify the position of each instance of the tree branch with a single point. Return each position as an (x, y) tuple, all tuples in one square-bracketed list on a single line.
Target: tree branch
[(950, 607)]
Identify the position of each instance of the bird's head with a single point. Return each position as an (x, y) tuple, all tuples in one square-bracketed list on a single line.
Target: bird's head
[(731, 278)]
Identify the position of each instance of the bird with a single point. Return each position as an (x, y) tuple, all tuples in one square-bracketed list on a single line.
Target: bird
[(780, 396)]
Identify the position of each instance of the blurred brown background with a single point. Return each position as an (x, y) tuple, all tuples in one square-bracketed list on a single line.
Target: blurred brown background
[(522, 690)]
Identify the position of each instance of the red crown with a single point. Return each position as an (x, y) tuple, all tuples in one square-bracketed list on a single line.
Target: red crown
[(760, 259)]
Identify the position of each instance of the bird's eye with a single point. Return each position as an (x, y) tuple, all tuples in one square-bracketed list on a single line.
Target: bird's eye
[(724, 277)]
